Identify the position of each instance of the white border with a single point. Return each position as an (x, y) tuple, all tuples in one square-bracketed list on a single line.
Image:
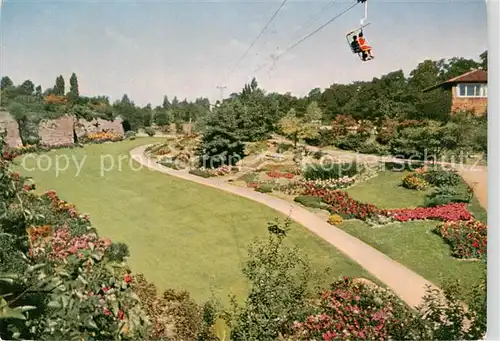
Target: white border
[(493, 10)]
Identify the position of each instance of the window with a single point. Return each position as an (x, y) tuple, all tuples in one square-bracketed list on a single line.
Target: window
[(472, 90)]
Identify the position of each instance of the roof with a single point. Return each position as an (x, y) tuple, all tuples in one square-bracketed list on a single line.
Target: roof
[(473, 76)]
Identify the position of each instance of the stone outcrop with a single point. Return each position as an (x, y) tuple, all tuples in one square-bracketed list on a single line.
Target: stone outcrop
[(57, 132), (9, 124), (83, 127)]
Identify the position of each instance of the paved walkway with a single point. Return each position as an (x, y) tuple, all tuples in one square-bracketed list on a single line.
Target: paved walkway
[(408, 285)]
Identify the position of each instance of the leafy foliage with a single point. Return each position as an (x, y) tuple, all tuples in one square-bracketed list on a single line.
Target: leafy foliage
[(279, 288)]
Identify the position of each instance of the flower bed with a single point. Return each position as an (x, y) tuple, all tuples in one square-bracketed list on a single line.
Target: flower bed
[(340, 203), (208, 173), (12, 153), (354, 311), (414, 181), (467, 238), (449, 212), (331, 184), (277, 174), (102, 136)]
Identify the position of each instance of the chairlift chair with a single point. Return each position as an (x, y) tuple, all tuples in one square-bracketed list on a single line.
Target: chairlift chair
[(357, 31), (351, 34)]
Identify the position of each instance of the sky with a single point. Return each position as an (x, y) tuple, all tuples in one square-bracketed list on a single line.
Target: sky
[(148, 49)]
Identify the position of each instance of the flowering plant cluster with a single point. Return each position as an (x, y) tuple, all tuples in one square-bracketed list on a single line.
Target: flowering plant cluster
[(11, 153), (331, 184), (341, 203), (220, 171), (352, 310), (277, 174), (60, 244), (103, 136), (449, 212), (467, 238), (413, 181)]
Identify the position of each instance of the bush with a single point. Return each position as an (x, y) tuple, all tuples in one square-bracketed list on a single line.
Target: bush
[(310, 201), (200, 172), (318, 154), (150, 131), (284, 147), (467, 238), (353, 310), (335, 219), (372, 147), (264, 188), (280, 280), (445, 195), (351, 142), (331, 171), (130, 134), (442, 178), (171, 164)]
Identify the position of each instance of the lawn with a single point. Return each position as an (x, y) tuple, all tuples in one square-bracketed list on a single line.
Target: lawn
[(181, 235), (412, 244)]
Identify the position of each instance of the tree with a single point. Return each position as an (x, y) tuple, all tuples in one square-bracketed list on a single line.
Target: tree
[(74, 92), (6, 82), (166, 104), (280, 282), (299, 128), (59, 86), (484, 60), (222, 139), (27, 88)]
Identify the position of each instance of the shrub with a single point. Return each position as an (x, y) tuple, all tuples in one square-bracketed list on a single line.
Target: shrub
[(130, 134), (150, 131), (353, 310), (351, 142), (467, 238), (256, 147), (445, 195), (331, 171), (442, 178), (284, 147), (412, 181), (102, 136), (280, 279), (335, 219), (310, 201), (372, 147), (200, 172), (318, 155), (264, 188)]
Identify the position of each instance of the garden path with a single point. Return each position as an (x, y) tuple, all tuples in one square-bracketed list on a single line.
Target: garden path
[(405, 283)]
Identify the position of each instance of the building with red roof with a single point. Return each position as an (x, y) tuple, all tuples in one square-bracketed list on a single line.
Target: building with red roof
[(469, 92)]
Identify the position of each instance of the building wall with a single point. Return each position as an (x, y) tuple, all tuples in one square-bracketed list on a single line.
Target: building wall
[(9, 124), (84, 127), (478, 105), (58, 131)]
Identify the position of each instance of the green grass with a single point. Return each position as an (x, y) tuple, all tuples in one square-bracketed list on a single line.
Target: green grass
[(384, 191), (181, 235), (413, 244)]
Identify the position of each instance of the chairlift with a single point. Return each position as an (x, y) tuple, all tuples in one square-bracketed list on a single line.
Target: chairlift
[(355, 47)]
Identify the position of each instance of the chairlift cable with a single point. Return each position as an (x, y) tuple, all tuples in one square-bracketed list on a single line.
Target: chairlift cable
[(317, 30), (257, 38)]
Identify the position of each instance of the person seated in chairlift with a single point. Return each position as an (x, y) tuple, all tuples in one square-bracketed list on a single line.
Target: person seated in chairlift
[(363, 45), (355, 45)]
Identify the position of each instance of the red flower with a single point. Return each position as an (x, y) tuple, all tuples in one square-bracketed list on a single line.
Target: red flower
[(120, 315), (106, 311), (127, 278), (105, 289)]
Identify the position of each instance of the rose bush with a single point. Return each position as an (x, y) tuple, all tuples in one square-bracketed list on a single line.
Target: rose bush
[(468, 238)]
